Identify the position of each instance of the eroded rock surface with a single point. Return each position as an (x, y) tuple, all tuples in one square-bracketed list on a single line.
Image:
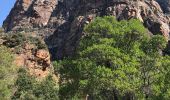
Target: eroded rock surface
[(61, 22), (29, 14), (37, 62)]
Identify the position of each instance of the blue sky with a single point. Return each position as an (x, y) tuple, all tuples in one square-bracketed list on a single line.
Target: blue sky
[(5, 7)]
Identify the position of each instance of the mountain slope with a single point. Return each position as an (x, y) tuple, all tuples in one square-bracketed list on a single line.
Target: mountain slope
[(60, 22)]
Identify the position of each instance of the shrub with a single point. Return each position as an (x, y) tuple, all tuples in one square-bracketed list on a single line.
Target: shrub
[(28, 88)]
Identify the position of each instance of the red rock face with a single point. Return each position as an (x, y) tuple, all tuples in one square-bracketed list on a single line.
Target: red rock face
[(27, 14), (62, 21), (42, 11), (16, 15), (26, 4), (38, 63)]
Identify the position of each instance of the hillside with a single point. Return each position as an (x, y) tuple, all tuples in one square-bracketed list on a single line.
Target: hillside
[(61, 22), (87, 50)]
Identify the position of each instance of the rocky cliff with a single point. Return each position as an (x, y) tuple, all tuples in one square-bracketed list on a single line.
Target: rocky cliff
[(60, 22)]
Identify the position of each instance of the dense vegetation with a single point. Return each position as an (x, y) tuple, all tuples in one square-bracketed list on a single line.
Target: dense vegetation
[(28, 88), (17, 40), (116, 61), (16, 83), (7, 73)]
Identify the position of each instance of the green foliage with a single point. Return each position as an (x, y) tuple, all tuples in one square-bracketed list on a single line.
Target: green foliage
[(24, 84), (47, 90), (17, 40), (7, 73), (115, 60), (24, 81), (28, 88), (14, 40), (37, 42), (154, 45)]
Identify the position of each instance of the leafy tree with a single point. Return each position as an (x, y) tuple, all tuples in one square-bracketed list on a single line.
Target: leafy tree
[(115, 60)]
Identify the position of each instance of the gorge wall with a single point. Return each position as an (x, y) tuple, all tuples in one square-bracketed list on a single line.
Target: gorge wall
[(61, 22)]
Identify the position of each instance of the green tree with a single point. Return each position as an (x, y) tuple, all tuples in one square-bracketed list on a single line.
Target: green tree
[(115, 60)]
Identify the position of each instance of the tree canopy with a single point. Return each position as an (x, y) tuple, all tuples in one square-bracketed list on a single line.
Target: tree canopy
[(116, 60)]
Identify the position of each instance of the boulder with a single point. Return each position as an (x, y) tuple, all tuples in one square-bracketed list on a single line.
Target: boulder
[(42, 54)]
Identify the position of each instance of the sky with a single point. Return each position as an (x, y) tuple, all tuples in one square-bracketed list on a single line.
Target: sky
[(5, 7)]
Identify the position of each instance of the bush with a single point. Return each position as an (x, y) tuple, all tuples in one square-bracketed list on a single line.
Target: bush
[(28, 88), (37, 42), (13, 40), (18, 40)]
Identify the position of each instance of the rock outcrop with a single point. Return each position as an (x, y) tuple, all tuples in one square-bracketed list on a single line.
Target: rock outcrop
[(61, 22), (37, 62), (29, 15), (30, 52)]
